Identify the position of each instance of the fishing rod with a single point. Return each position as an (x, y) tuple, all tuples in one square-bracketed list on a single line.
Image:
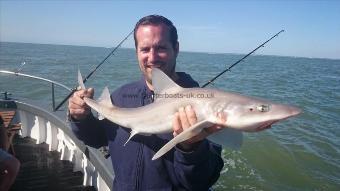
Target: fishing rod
[(228, 69), (92, 72)]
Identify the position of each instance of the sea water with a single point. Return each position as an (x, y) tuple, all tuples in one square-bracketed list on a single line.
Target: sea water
[(302, 153)]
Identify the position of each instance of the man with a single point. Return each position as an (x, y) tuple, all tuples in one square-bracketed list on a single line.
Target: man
[(9, 165), (193, 165)]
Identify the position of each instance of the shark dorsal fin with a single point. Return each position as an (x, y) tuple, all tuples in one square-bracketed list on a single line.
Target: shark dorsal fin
[(163, 84), (104, 99)]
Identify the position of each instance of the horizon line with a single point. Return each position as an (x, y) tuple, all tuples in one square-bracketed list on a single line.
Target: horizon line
[(187, 51)]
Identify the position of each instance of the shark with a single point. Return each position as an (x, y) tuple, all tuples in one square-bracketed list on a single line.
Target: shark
[(243, 113)]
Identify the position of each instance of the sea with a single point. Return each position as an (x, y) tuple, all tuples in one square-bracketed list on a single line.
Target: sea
[(301, 153)]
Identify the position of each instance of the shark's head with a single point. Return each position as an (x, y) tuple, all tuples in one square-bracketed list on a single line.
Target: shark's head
[(252, 114)]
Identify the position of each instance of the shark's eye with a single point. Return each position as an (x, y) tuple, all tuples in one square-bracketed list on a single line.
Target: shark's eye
[(263, 108), (251, 109)]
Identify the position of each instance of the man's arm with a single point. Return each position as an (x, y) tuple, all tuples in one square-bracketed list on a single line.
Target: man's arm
[(3, 136), (77, 107), (200, 168), (197, 162), (90, 130), (84, 125)]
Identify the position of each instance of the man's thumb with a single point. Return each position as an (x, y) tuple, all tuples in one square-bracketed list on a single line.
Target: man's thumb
[(90, 92)]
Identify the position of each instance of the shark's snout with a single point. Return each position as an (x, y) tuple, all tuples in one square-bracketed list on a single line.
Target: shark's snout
[(291, 111), (295, 111), (284, 111)]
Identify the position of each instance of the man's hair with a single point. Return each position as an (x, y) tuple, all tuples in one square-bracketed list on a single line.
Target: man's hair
[(157, 20)]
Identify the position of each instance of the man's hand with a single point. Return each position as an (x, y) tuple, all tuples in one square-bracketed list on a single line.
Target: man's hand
[(185, 118), (77, 106)]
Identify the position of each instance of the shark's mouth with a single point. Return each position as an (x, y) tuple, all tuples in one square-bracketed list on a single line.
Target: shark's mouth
[(266, 125)]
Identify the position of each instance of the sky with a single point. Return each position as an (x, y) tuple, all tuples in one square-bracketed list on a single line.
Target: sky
[(312, 28)]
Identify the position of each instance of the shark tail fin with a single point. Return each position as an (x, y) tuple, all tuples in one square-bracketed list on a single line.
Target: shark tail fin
[(80, 81), (133, 133)]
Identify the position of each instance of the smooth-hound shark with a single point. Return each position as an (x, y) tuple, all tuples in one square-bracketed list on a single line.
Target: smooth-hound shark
[(243, 113)]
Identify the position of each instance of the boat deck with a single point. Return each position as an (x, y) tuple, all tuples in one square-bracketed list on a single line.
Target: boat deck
[(43, 170)]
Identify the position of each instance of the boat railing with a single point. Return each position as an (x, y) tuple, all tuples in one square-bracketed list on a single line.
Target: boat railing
[(53, 84), (53, 128)]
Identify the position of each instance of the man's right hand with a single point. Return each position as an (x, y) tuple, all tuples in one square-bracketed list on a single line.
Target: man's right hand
[(77, 106)]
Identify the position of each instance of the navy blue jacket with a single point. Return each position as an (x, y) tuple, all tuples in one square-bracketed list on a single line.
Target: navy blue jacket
[(132, 164)]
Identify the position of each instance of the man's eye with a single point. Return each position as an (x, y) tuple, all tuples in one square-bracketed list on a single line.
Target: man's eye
[(144, 49), (162, 48)]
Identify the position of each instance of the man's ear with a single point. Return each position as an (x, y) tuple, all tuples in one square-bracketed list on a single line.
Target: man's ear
[(177, 48)]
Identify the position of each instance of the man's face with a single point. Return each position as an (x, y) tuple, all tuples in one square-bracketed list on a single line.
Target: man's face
[(154, 49)]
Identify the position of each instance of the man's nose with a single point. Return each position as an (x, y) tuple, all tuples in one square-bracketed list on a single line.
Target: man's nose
[(153, 57)]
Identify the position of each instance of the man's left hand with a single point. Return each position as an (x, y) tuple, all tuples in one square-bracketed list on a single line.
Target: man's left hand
[(185, 118)]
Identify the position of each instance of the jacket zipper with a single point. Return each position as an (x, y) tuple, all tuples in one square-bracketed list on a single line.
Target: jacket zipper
[(139, 169)]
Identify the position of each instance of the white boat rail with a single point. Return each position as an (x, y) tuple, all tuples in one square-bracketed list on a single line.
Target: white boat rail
[(41, 79), (54, 130)]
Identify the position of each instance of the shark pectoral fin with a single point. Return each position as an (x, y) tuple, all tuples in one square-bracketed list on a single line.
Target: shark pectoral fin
[(80, 80), (100, 116), (133, 133), (185, 135), (227, 137)]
